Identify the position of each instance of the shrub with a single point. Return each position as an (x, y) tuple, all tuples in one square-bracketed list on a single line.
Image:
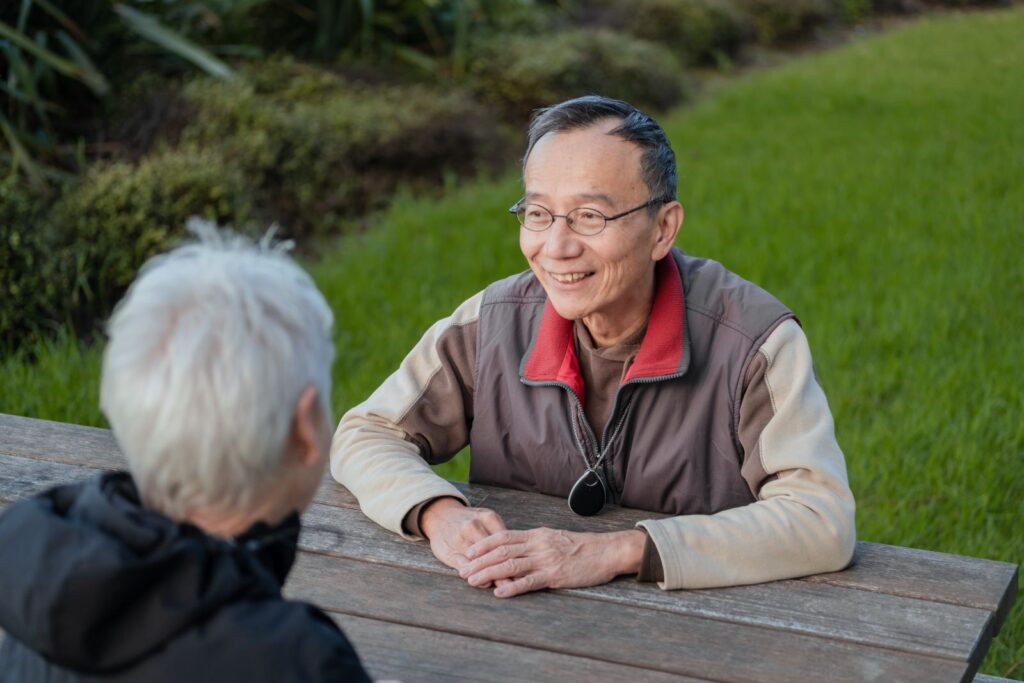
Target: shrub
[(319, 148), (120, 214), (858, 9), (28, 286), (775, 22), (521, 73), (968, 3), (697, 31)]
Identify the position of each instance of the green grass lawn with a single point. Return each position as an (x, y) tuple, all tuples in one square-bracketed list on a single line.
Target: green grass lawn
[(878, 190)]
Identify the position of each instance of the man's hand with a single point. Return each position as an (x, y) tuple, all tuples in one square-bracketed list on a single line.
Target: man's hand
[(522, 561), (452, 528)]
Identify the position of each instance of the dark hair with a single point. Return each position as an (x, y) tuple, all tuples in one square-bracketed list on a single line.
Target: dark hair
[(658, 163)]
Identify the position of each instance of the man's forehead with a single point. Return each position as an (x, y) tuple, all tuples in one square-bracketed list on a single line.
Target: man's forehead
[(586, 165)]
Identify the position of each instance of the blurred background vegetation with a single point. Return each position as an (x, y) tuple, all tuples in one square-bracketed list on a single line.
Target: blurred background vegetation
[(877, 189), (120, 120)]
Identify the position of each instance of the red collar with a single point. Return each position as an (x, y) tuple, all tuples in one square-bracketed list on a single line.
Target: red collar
[(663, 352)]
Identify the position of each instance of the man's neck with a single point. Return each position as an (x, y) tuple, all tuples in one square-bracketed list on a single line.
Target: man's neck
[(224, 524), (610, 338)]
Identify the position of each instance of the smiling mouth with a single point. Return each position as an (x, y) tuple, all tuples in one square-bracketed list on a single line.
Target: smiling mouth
[(569, 278)]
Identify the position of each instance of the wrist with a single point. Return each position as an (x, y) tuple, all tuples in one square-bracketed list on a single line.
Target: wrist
[(434, 512), (629, 551)]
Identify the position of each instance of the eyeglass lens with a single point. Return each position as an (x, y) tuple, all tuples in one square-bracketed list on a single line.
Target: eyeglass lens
[(584, 221)]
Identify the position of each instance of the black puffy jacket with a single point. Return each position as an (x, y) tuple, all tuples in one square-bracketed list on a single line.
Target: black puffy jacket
[(95, 587)]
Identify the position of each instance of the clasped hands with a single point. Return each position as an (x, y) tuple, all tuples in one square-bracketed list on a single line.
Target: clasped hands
[(486, 554)]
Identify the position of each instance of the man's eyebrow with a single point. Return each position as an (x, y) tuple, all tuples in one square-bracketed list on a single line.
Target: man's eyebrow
[(582, 197)]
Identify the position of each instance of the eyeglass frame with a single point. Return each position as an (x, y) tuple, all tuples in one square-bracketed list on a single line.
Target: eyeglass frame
[(514, 210)]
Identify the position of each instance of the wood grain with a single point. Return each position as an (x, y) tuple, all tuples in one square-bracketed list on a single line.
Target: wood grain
[(925, 574), (412, 654), (566, 624), (59, 442)]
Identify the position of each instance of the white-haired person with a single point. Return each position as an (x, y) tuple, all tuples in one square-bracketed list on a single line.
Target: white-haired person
[(216, 383)]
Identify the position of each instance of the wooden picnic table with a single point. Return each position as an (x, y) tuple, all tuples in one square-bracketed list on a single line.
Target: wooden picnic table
[(897, 614)]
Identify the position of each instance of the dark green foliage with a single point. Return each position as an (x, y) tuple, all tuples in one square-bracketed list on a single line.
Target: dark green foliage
[(28, 288), (521, 73), (784, 21), (119, 215), (968, 3), (863, 8), (697, 31), (318, 148), (57, 64)]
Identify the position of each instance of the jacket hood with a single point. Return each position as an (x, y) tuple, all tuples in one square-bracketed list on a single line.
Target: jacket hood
[(94, 582)]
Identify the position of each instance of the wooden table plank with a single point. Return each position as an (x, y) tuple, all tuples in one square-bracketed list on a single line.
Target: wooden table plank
[(916, 573), (59, 442), (410, 654), (566, 624), (911, 625)]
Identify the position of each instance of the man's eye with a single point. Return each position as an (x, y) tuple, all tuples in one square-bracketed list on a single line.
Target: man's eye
[(588, 215), (534, 213)]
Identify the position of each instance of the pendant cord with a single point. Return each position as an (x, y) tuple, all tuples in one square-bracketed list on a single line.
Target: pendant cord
[(608, 443)]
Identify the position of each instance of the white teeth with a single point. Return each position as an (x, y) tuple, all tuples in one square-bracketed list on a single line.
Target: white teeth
[(569, 277)]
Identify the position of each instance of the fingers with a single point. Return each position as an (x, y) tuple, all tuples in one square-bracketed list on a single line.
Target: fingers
[(493, 541), (525, 584), (505, 562)]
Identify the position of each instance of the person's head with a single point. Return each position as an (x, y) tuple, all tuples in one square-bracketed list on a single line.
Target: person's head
[(216, 379), (602, 155)]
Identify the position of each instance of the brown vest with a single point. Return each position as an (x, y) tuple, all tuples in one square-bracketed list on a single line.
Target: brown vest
[(677, 449)]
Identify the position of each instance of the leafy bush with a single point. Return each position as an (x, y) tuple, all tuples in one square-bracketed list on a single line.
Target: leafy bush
[(28, 286), (967, 3), (782, 21), (56, 74), (859, 9), (521, 73), (319, 148), (119, 215), (697, 31)]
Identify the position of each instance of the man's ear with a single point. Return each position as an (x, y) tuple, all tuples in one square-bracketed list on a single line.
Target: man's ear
[(303, 438), (666, 226)]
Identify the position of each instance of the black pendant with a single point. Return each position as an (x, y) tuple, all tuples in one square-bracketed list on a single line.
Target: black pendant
[(588, 494)]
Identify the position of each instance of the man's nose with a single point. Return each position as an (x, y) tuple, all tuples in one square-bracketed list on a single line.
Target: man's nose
[(561, 241)]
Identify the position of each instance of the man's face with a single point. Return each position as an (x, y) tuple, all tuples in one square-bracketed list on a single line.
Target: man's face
[(599, 276)]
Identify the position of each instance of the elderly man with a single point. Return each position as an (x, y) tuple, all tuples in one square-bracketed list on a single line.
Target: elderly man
[(616, 370), (216, 382)]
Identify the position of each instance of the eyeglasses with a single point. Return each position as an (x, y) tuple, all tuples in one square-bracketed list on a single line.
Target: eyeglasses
[(589, 222)]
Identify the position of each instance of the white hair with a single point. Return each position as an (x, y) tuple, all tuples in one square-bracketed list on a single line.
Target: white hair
[(209, 352)]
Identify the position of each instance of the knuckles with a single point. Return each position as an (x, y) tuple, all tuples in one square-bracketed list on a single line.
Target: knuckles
[(490, 516)]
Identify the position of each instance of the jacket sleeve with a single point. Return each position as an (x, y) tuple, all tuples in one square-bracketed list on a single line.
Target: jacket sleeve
[(420, 415), (803, 520)]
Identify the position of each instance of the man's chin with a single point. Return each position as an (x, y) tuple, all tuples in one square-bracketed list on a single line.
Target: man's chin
[(567, 310)]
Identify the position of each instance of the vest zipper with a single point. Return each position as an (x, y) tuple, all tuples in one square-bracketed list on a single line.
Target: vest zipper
[(579, 415)]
